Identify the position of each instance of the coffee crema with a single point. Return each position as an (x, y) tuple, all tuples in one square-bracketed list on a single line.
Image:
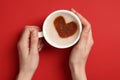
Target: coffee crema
[(65, 29)]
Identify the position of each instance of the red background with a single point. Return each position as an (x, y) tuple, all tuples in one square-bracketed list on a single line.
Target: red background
[(103, 62)]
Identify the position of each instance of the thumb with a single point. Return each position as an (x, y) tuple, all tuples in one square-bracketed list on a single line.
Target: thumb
[(34, 41)]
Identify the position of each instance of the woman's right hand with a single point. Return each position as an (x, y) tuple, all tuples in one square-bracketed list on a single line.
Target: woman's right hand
[(81, 50)]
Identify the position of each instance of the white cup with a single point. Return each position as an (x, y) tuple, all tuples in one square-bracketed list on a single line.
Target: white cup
[(46, 25)]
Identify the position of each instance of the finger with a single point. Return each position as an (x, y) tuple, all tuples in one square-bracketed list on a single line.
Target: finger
[(83, 39), (82, 19), (27, 30), (24, 40), (86, 25), (23, 44), (85, 34), (86, 28), (25, 36), (39, 42), (41, 46), (90, 40), (34, 41), (33, 27)]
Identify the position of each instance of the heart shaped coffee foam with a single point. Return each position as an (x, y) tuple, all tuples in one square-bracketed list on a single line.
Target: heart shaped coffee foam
[(65, 29)]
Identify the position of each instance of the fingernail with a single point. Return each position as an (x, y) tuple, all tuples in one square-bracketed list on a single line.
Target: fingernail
[(73, 10)]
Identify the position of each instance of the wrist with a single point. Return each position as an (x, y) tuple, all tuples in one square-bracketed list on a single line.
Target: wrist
[(24, 75), (77, 63), (78, 72), (77, 67)]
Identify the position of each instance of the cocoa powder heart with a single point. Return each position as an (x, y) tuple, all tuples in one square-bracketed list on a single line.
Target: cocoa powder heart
[(64, 29)]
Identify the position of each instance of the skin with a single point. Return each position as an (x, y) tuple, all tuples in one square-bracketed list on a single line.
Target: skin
[(81, 50), (29, 46)]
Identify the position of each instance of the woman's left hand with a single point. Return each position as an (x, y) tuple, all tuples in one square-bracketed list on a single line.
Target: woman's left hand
[(29, 46)]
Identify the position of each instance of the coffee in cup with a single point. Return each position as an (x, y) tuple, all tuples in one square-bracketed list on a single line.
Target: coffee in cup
[(61, 29)]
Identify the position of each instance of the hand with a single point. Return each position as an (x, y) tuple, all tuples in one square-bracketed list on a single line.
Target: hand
[(28, 48), (81, 50)]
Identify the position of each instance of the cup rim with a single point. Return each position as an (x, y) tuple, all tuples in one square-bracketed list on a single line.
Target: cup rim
[(70, 13)]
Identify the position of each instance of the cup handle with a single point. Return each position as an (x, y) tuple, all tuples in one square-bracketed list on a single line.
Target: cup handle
[(40, 34)]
